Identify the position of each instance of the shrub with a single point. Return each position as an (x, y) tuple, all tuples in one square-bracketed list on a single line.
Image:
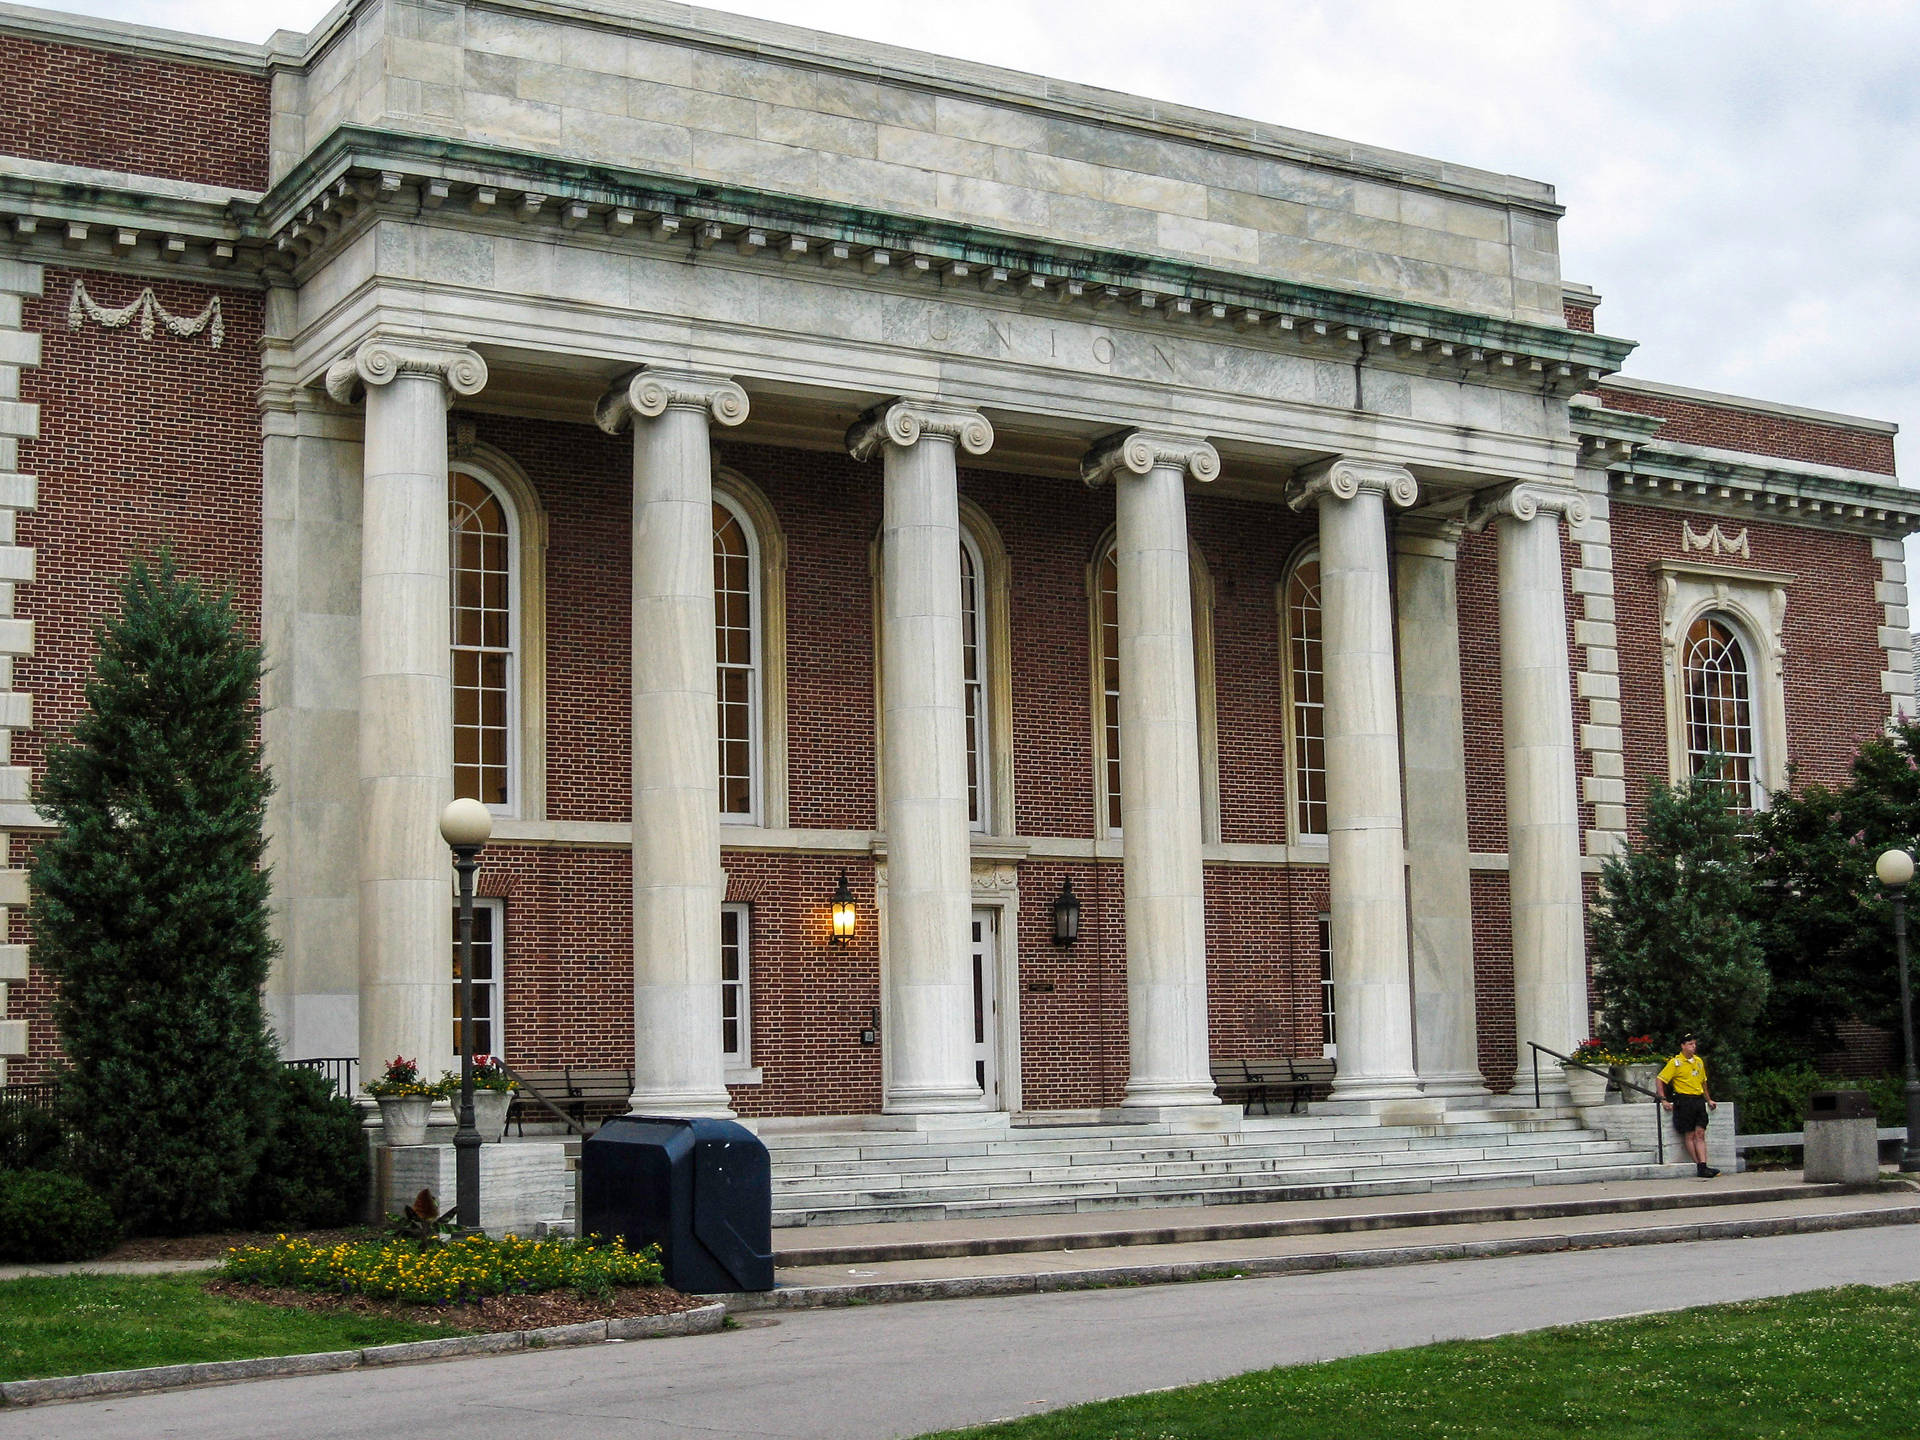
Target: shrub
[(149, 910), (313, 1174), (1774, 1101), (53, 1217), (30, 1139), (443, 1273)]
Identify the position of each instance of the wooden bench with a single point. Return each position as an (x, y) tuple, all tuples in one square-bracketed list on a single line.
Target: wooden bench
[(587, 1096), (1260, 1079)]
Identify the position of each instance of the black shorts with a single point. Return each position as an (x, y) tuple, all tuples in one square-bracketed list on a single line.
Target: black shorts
[(1689, 1113)]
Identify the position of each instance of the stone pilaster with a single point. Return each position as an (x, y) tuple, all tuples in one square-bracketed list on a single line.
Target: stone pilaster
[(1365, 833), (1439, 889), (929, 876), (678, 886), (19, 420), (1160, 819), (406, 718), (1543, 813)]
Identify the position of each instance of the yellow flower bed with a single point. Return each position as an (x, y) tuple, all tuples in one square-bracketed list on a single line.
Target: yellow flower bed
[(443, 1273)]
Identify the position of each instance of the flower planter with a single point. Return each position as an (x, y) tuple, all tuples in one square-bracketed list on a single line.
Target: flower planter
[(490, 1114), (1586, 1087), (1641, 1073), (404, 1118)]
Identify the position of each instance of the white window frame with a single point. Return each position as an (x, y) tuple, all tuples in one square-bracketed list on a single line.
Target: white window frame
[(1753, 605), (756, 671), (496, 986), (979, 691), (516, 627), (740, 1069), (1308, 554), (1329, 996)]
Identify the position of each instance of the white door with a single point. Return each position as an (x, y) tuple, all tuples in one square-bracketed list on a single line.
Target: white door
[(986, 1008)]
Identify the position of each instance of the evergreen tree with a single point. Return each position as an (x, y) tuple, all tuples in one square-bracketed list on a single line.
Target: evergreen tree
[(150, 910), (1825, 926), (1675, 945)]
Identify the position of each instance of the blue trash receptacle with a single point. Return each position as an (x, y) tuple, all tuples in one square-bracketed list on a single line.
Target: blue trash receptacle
[(702, 1190)]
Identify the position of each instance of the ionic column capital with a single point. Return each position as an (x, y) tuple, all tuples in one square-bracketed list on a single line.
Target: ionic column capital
[(1140, 451), (1525, 500), (1344, 477), (380, 361), (648, 393), (904, 422)]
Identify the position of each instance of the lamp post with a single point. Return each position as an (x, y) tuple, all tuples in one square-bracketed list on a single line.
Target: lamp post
[(1895, 869), (465, 826)]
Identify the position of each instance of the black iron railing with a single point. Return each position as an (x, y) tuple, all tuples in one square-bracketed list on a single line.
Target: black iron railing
[(342, 1070), (1619, 1082), (39, 1096)]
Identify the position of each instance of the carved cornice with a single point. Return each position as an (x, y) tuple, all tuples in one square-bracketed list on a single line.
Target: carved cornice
[(904, 422), (380, 361), (1139, 451), (1527, 501), (649, 393), (1344, 478)]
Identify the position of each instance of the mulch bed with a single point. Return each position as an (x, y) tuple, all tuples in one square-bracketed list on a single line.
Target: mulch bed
[(493, 1313), (215, 1247)]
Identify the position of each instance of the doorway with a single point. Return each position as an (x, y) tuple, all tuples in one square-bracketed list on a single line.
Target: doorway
[(985, 953)]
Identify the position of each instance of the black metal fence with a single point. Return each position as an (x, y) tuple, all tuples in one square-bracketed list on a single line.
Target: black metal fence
[(40, 1096), (342, 1070)]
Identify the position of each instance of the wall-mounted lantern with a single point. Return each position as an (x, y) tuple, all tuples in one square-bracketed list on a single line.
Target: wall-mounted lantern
[(1066, 915), (845, 915)]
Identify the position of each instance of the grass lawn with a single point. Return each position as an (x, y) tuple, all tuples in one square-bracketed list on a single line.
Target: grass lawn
[(1827, 1364), (73, 1324)]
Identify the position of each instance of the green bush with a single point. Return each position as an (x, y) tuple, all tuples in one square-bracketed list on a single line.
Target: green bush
[(30, 1139), (438, 1274), (313, 1173), (1774, 1102), (53, 1217)]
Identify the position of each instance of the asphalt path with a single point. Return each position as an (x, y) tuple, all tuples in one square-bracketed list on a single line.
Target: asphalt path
[(900, 1370)]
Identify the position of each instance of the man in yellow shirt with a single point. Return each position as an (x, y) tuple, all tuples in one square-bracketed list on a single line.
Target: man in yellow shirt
[(1682, 1088)]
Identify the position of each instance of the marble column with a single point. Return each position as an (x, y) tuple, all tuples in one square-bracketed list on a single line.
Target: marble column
[(406, 705), (1439, 890), (1160, 821), (928, 1054), (678, 885), (1543, 813), (1365, 836)]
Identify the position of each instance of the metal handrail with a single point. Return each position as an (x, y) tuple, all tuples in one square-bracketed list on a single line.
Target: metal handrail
[(1659, 1134), (528, 1092), (340, 1070)]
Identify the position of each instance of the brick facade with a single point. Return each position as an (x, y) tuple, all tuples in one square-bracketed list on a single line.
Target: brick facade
[(1758, 432)]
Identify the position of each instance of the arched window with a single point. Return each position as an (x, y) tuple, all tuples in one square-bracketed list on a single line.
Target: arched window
[(974, 663), (1105, 588), (1719, 701), (1306, 699), (736, 635), (485, 639)]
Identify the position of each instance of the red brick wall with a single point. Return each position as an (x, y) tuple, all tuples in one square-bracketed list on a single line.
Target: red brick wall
[(1493, 980), (1579, 317), (143, 444), (1833, 658), (1696, 422), (80, 106)]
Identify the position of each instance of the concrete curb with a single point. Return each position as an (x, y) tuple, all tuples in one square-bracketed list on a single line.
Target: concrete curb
[(1273, 1229), (703, 1320), (810, 1297)]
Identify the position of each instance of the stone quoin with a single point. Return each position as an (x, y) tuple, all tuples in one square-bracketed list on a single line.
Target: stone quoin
[(859, 462)]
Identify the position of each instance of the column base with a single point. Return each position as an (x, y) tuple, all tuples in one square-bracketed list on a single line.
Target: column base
[(682, 1105), (1215, 1118), (1454, 1082), (1163, 1093), (942, 1100), (942, 1122), (1398, 1110)]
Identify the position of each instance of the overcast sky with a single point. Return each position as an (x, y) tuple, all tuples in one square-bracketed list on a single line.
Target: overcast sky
[(1740, 178)]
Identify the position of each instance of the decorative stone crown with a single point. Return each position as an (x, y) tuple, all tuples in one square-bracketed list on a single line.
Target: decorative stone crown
[(1524, 501), (1344, 478), (380, 361), (903, 422), (648, 393), (1140, 451)]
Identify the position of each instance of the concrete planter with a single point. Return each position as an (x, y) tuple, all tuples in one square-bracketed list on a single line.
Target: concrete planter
[(490, 1113), (404, 1119), (1586, 1087), (1641, 1074)]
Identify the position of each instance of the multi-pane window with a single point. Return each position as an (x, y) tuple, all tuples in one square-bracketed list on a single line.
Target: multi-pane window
[(735, 1009), (1108, 586), (1328, 1037), (973, 650), (482, 638), (1719, 700), (1309, 699), (736, 645), (487, 936)]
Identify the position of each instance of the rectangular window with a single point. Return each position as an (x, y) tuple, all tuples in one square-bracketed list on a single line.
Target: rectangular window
[(489, 932), (736, 1008), (1328, 1038)]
